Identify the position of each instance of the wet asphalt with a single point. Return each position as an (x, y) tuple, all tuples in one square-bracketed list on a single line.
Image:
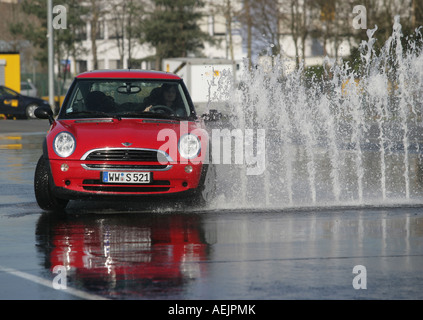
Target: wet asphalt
[(166, 251)]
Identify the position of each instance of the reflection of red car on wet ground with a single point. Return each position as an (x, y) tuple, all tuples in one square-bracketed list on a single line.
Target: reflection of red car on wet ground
[(117, 255), (128, 133)]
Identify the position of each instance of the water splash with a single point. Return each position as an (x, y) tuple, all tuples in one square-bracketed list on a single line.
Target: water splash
[(352, 137)]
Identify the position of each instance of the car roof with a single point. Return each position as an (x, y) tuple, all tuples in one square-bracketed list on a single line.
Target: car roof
[(127, 74)]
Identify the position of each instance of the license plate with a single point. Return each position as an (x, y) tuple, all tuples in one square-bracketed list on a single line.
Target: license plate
[(126, 177)]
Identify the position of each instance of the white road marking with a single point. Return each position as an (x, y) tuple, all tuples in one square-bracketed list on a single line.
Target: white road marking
[(49, 284)]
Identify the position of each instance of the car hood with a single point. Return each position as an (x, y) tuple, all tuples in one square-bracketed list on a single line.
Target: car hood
[(125, 133)]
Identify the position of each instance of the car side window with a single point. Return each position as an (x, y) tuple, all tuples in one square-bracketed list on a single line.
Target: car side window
[(10, 93), (77, 102)]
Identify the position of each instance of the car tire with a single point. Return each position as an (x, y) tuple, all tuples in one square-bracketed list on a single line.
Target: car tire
[(42, 187), (30, 111), (206, 191)]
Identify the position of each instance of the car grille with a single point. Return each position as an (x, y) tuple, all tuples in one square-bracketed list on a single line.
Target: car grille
[(136, 155), (147, 159)]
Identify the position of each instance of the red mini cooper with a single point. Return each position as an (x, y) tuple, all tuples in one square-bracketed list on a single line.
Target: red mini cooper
[(124, 133)]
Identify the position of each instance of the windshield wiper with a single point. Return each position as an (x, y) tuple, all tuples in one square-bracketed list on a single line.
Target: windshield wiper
[(95, 113), (147, 114)]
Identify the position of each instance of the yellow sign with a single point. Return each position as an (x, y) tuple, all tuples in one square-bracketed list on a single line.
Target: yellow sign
[(215, 73), (12, 70)]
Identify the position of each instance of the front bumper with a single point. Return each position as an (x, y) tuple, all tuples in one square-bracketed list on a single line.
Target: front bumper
[(80, 181)]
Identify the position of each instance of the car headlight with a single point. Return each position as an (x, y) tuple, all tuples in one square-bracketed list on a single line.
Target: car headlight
[(64, 144), (189, 146)]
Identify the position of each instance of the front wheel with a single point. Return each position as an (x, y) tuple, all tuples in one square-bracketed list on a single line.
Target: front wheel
[(30, 111), (42, 182)]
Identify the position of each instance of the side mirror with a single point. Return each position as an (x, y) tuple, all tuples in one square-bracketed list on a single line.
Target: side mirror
[(44, 113)]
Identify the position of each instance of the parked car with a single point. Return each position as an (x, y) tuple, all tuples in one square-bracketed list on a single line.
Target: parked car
[(124, 133), (13, 104), (29, 89)]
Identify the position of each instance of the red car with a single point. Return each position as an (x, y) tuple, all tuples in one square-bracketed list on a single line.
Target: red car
[(124, 133)]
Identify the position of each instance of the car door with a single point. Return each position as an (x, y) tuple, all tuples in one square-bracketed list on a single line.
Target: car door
[(9, 101)]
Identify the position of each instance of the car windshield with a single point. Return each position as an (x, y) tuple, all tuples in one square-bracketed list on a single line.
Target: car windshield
[(135, 98)]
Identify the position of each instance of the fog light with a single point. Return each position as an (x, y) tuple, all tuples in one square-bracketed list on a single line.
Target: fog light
[(64, 167), (188, 169)]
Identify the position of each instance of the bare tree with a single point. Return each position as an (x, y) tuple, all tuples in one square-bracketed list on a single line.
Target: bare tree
[(228, 15), (122, 14), (247, 17), (296, 24), (417, 13), (135, 9), (333, 25), (268, 19), (96, 13), (225, 9), (261, 20), (118, 11)]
